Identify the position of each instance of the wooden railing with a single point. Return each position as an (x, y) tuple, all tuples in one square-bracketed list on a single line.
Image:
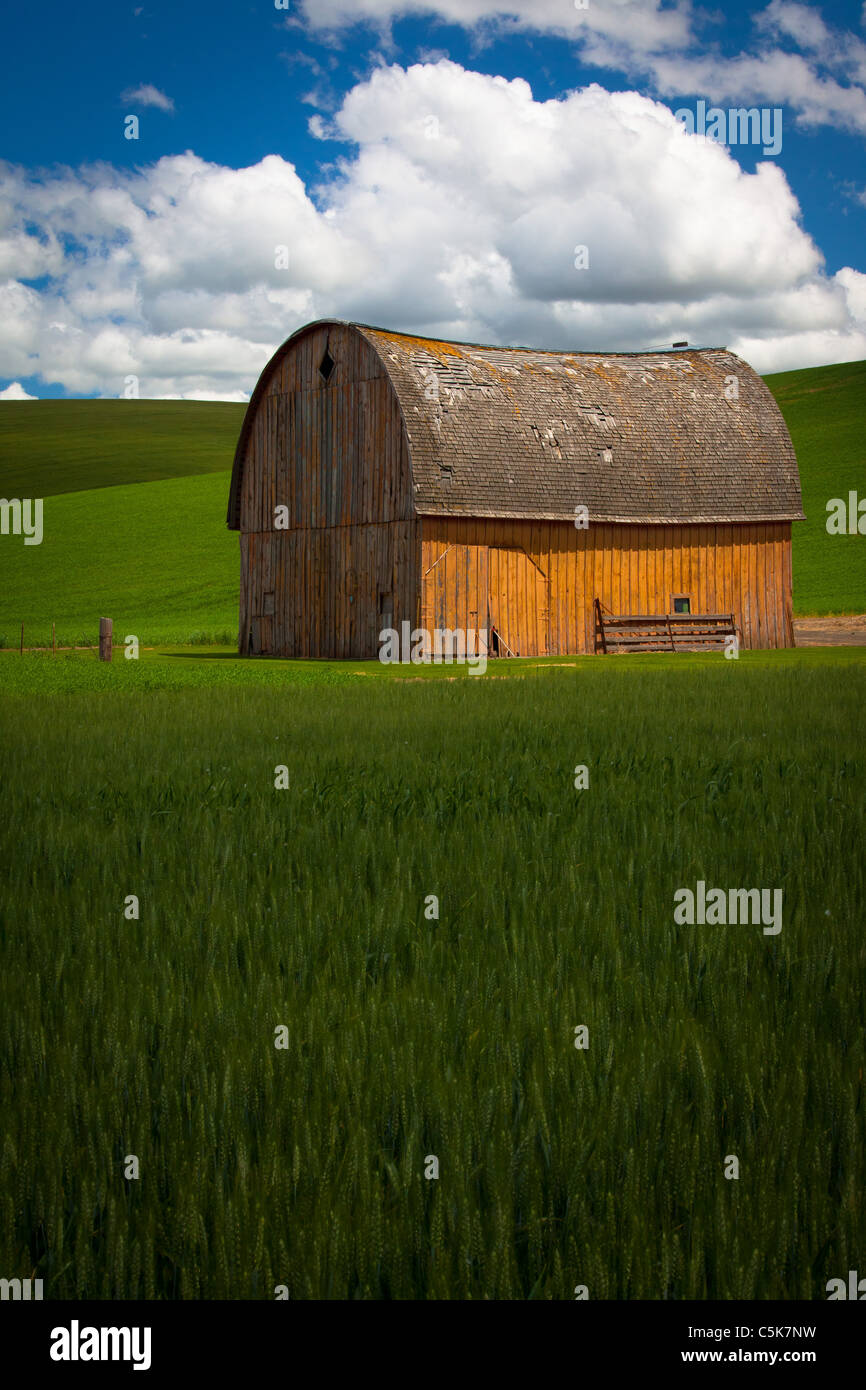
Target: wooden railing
[(659, 632)]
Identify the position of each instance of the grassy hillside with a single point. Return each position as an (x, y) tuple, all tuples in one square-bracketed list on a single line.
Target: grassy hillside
[(136, 493), (155, 557), (47, 447), (825, 410)]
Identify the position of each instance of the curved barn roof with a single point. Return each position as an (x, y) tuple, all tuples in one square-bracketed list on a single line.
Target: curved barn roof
[(635, 437)]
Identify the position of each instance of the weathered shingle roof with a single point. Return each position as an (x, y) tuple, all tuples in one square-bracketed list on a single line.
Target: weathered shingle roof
[(685, 436), (632, 436)]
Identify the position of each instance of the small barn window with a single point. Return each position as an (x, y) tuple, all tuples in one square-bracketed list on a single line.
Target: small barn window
[(386, 609), (681, 603), (326, 366), (268, 606)]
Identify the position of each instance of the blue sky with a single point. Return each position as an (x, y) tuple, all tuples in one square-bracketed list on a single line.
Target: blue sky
[(428, 166)]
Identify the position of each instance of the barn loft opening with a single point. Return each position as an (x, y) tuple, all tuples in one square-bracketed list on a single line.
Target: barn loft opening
[(326, 366)]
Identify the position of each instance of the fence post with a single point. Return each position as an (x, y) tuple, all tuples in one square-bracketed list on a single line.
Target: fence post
[(105, 631)]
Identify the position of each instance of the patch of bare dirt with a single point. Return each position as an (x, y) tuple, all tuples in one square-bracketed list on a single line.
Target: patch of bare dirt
[(846, 631)]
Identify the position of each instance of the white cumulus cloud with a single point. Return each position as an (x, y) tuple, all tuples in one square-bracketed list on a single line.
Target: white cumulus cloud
[(674, 46), (459, 212), (15, 392)]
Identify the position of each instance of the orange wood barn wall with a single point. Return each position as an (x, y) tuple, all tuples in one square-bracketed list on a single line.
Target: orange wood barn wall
[(537, 580)]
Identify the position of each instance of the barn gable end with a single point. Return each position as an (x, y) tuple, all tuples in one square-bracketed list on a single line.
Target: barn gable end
[(323, 438)]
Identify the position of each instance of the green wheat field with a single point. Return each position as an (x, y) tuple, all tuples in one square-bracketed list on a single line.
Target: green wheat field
[(409, 1037)]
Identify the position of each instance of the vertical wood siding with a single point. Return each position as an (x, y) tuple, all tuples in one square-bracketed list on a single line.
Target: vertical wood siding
[(328, 587), (537, 580), (334, 454)]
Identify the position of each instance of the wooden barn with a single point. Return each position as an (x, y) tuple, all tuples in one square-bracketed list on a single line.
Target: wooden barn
[(382, 479)]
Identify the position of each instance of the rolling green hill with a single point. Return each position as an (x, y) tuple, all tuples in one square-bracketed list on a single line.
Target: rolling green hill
[(157, 558), (48, 447), (825, 410), (136, 495)]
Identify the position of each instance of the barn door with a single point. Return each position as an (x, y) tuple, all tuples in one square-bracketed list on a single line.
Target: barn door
[(261, 638), (518, 602), (473, 587), (456, 591)]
